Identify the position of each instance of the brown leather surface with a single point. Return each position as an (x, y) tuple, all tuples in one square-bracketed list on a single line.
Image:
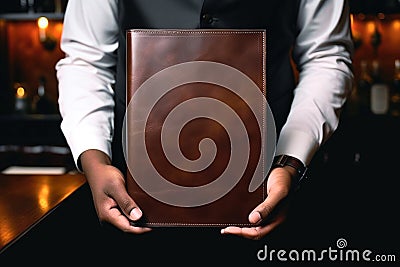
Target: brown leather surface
[(151, 51)]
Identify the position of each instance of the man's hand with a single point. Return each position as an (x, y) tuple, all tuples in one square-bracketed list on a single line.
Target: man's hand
[(273, 211), (111, 200)]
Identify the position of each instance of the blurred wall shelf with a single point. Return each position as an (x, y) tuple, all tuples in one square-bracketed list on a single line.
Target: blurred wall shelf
[(31, 129), (33, 140), (31, 16)]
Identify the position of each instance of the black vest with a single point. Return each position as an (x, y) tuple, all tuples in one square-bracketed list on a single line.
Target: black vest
[(278, 17)]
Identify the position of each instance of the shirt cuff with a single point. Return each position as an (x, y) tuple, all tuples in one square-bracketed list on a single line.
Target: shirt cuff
[(297, 144), (83, 141)]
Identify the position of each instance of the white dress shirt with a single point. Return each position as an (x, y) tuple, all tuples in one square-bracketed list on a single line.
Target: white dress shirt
[(322, 51)]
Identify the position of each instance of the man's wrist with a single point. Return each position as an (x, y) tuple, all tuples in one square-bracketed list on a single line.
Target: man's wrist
[(286, 161)]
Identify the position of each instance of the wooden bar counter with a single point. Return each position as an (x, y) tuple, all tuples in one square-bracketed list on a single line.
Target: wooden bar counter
[(25, 200)]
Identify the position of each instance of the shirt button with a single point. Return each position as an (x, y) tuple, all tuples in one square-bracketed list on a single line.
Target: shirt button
[(208, 18)]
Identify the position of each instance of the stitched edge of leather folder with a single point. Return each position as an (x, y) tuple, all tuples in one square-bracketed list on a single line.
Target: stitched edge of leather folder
[(180, 32)]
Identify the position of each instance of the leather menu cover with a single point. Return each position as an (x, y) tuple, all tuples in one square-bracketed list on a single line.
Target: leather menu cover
[(194, 140)]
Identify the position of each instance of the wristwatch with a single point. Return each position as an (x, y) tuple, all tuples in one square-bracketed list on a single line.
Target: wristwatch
[(286, 160)]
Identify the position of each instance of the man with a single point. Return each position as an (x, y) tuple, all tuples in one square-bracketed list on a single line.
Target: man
[(314, 33)]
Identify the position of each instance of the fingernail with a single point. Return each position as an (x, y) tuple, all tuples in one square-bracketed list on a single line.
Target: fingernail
[(222, 231), (135, 214), (255, 217)]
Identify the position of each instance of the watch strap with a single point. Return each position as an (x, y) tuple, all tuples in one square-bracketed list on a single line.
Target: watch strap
[(286, 160)]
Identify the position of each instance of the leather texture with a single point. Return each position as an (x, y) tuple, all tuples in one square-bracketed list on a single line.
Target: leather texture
[(149, 54)]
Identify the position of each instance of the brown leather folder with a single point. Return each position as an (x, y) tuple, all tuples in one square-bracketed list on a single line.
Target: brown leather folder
[(194, 142)]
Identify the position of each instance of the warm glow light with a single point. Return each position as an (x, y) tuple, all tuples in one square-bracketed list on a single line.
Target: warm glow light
[(44, 197), (58, 28), (20, 92), (43, 22), (396, 25), (370, 26), (352, 21)]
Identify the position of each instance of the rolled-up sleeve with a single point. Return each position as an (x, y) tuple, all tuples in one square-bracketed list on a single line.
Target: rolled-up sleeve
[(323, 55), (86, 75)]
